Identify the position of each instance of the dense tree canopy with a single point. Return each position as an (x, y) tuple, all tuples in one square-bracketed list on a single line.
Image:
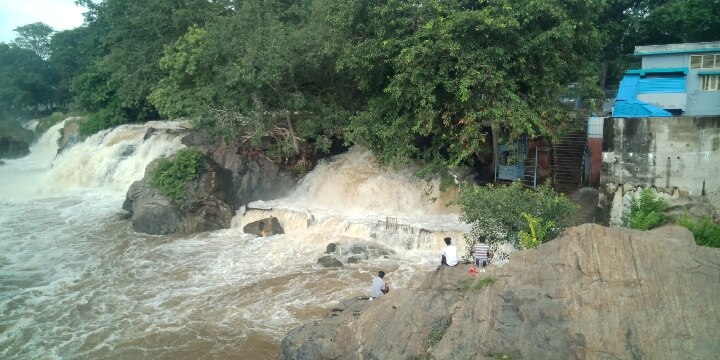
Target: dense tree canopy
[(425, 79)]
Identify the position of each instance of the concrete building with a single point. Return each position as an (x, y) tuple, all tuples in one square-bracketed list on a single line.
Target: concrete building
[(675, 80)]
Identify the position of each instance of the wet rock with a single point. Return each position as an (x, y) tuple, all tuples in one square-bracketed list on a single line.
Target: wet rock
[(368, 250), (127, 151), (353, 260), (255, 177), (329, 261), (69, 135), (206, 205), (331, 248), (12, 148), (2, 162), (265, 227), (594, 293)]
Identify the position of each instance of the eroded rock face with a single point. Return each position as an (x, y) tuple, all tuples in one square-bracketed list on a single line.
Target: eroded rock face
[(11, 148), (254, 177), (594, 293), (206, 206)]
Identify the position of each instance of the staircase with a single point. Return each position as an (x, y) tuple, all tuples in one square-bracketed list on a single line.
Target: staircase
[(568, 157)]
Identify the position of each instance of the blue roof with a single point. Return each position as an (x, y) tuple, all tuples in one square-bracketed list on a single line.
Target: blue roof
[(661, 85), (637, 108), (627, 104), (628, 88)]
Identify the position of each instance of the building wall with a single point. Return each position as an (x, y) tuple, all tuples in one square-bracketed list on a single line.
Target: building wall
[(676, 154), (698, 102), (666, 61)]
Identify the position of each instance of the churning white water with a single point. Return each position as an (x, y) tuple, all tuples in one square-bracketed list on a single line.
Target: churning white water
[(77, 283)]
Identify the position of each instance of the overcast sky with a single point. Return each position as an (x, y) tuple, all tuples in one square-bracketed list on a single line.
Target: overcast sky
[(59, 14)]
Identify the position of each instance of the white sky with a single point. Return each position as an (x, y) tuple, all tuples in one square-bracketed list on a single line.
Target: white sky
[(59, 14)]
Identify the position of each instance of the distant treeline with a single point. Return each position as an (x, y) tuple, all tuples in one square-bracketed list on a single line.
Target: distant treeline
[(427, 79)]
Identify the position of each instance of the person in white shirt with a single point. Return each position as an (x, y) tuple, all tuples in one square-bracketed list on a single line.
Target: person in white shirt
[(378, 286), (448, 254)]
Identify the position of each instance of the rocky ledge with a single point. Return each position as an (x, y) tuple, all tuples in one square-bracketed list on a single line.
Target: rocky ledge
[(235, 175), (594, 293)]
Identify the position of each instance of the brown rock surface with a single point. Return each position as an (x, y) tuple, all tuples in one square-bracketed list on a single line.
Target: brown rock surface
[(594, 293), (206, 205)]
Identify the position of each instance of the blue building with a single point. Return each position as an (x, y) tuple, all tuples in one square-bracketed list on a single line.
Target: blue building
[(675, 79)]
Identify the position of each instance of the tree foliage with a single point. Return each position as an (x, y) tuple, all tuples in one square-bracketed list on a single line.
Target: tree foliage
[(706, 232), (25, 80), (425, 79), (172, 176), (645, 211), (36, 37), (496, 211)]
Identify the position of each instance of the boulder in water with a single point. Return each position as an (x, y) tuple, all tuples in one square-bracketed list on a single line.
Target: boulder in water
[(594, 293), (11, 148), (265, 227), (69, 135), (331, 248), (205, 207), (329, 261)]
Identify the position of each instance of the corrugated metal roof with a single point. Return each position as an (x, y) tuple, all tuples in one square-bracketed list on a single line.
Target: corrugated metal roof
[(628, 88), (661, 85), (637, 109)]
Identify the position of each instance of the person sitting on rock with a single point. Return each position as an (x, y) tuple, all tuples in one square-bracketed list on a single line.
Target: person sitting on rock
[(482, 252), (378, 286), (448, 255)]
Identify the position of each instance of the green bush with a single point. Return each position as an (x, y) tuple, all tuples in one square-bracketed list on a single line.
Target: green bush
[(706, 233), (171, 176), (645, 211), (539, 229), (496, 211), (103, 119)]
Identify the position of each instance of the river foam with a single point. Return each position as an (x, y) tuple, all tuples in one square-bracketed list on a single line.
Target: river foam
[(77, 282)]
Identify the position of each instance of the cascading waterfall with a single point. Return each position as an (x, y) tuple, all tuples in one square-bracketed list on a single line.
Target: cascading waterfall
[(77, 282)]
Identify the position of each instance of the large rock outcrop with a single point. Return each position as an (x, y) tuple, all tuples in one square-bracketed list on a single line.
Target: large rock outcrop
[(254, 176), (236, 175), (594, 293), (205, 207)]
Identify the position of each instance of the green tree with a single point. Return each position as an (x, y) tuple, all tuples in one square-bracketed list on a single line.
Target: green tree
[(130, 36), (25, 81), (275, 79), (68, 55), (36, 37), (499, 212), (439, 74)]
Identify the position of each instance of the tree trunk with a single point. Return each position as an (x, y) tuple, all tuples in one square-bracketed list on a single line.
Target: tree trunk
[(494, 131), (292, 133)]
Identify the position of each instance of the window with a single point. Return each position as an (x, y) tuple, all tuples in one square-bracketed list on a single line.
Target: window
[(705, 61), (711, 82)]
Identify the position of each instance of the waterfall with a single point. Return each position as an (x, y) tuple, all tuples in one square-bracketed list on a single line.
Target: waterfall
[(77, 282), (111, 159), (352, 196)]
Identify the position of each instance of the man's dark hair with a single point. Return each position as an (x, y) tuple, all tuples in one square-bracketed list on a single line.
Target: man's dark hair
[(381, 274), (448, 240), (481, 238)]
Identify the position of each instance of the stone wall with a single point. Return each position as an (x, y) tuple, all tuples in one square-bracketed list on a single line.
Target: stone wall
[(678, 154)]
